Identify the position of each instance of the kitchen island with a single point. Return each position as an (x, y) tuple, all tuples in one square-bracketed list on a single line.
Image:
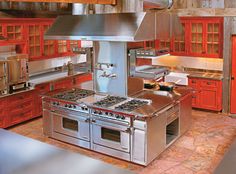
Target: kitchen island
[(134, 128), (21, 155)]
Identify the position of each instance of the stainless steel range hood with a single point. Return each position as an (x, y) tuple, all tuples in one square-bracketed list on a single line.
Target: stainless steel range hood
[(125, 27)]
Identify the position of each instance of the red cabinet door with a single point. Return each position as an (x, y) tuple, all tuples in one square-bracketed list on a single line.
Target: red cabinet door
[(2, 114), (208, 98), (83, 78), (39, 90), (65, 83), (233, 78)]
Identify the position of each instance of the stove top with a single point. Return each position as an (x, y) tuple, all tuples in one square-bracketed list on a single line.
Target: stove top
[(131, 105), (74, 94), (109, 101)]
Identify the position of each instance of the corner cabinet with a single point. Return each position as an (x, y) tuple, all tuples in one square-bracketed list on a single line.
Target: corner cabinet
[(207, 94)]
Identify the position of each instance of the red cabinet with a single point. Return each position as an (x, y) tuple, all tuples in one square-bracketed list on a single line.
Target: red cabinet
[(20, 107), (83, 78), (27, 34), (142, 61), (207, 94), (40, 89), (2, 114), (64, 83)]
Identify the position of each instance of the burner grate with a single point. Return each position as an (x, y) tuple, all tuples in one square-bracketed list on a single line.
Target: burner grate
[(109, 101), (74, 94), (131, 105)]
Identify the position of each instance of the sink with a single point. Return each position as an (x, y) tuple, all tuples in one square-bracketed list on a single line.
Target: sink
[(177, 77)]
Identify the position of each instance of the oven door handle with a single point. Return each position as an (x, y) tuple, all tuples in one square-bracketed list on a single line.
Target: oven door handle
[(113, 127), (71, 117)]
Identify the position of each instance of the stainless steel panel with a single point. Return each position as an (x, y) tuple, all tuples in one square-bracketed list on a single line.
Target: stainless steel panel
[(71, 140), (111, 152), (185, 113), (18, 69), (139, 147), (110, 68), (126, 27), (47, 122), (83, 126)]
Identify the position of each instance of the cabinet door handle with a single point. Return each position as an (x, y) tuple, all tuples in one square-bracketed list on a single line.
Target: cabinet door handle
[(208, 83)]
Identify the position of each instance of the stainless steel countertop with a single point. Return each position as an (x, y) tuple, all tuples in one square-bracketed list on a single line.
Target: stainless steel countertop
[(22, 155), (160, 99), (206, 75)]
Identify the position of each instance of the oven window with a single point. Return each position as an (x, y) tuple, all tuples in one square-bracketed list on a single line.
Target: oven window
[(70, 124), (109, 134)]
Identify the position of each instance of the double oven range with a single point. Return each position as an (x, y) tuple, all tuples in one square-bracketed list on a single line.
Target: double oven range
[(106, 124), (85, 119)]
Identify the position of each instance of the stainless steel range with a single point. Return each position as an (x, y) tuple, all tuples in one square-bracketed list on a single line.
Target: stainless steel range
[(120, 119), (66, 118)]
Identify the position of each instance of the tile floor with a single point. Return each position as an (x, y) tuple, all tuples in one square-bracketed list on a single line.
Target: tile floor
[(198, 151)]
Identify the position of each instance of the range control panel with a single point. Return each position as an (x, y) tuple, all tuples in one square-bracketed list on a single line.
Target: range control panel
[(75, 107), (110, 115)]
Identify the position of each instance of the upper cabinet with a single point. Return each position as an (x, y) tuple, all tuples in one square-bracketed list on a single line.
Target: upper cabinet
[(202, 37), (28, 36)]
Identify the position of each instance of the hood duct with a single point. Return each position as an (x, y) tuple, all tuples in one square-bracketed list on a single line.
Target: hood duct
[(125, 27)]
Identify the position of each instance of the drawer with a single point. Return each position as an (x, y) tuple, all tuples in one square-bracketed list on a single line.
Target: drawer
[(22, 106), (209, 83), (20, 117), (193, 82), (43, 88), (20, 99)]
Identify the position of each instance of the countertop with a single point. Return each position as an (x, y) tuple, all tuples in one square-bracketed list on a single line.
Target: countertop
[(205, 75), (159, 99), (22, 155)]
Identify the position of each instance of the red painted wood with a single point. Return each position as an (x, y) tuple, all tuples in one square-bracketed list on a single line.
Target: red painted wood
[(141, 61), (233, 81), (83, 78), (65, 83), (20, 107), (204, 38), (207, 94), (40, 89), (2, 114)]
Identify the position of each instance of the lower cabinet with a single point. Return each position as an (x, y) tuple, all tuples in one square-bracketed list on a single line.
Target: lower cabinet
[(207, 94), (3, 121), (40, 90), (20, 107)]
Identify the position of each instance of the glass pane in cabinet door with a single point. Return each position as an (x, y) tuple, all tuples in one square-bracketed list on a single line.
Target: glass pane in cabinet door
[(194, 28), (31, 51), (46, 52), (10, 36), (182, 47), (37, 30), (18, 36), (216, 49), (209, 38), (216, 28), (31, 41), (216, 38), (199, 28), (51, 49), (210, 28), (199, 38), (10, 29), (37, 40), (37, 51), (177, 46), (194, 37), (199, 48), (18, 29), (209, 48)]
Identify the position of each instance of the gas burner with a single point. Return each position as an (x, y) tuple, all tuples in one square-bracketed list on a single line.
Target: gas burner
[(131, 105), (109, 101), (74, 94)]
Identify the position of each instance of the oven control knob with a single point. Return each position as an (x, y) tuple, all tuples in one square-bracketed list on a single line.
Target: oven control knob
[(82, 108), (111, 114), (117, 116), (95, 112), (70, 106), (122, 117), (66, 105), (86, 109), (74, 106), (100, 113)]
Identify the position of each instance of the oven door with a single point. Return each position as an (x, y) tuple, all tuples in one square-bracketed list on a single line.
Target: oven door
[(111, 135), (73, 126)]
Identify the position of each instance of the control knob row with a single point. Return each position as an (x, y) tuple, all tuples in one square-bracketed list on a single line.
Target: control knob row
[(56, 103), (70, 106)]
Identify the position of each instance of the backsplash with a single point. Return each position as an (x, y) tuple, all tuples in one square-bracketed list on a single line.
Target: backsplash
[(190, 62)]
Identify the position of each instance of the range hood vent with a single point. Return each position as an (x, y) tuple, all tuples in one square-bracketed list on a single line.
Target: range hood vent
[(125, 27)]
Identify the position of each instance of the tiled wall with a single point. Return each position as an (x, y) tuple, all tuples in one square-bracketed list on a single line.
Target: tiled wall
[(190, 62)]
